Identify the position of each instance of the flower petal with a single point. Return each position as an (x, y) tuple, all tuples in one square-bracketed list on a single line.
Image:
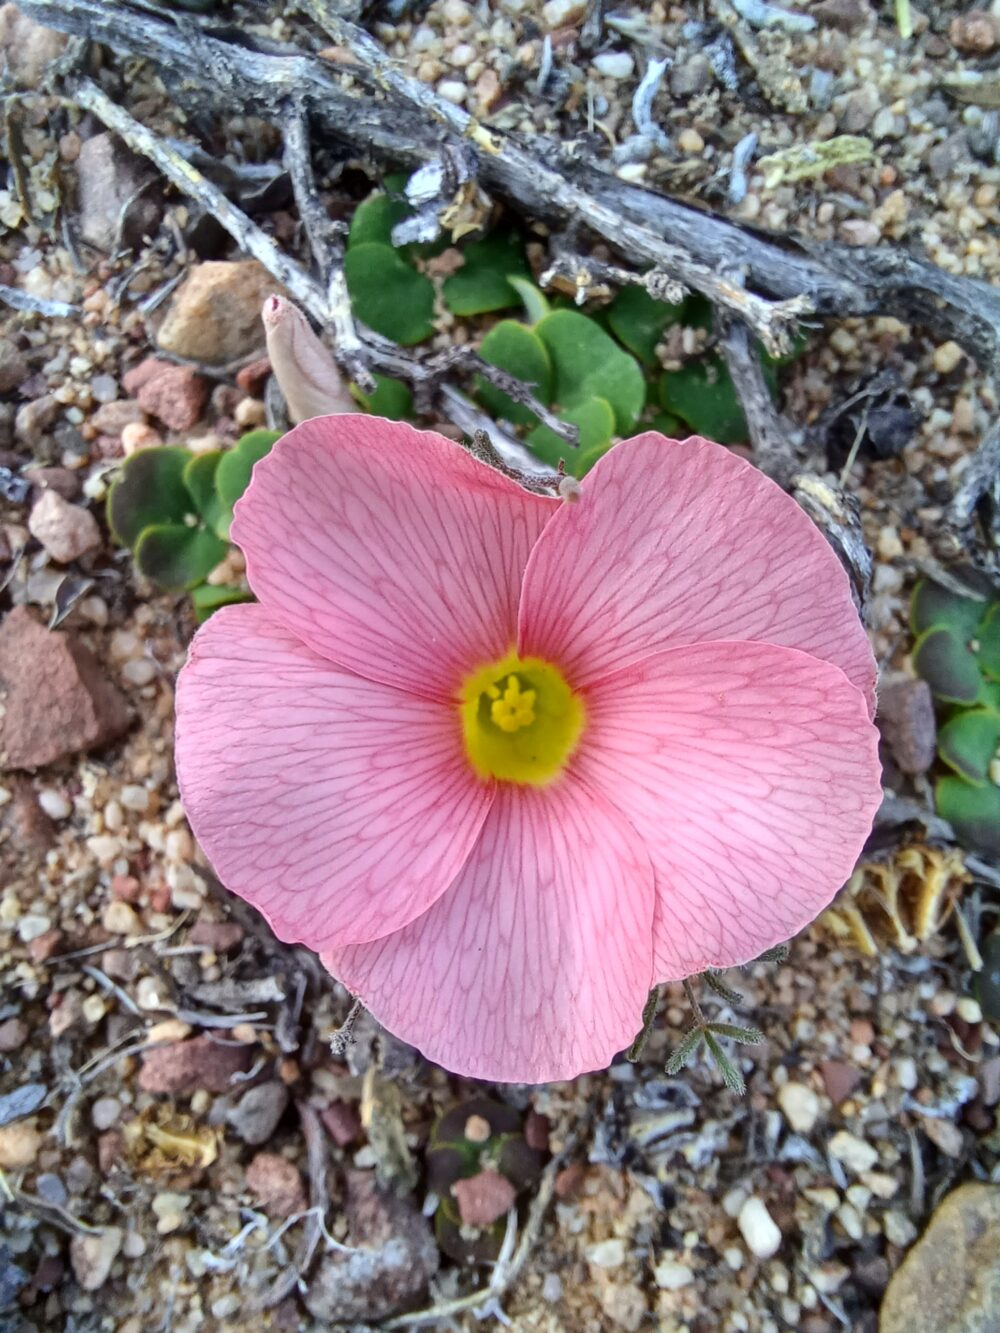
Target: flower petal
[(388, 550), (536, 963), (751, 773), (338, 807), (682, 542)]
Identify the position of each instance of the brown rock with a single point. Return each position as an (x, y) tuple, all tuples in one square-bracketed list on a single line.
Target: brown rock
[(35, 418), (949, 1282), (536, 1131), (67, 531), (92, 1255), (483, 1198), (343, 1123), (42, 947), (906, 721), (13, 367), (219, 936), (252, 378), (276, 1182), (569, 1180), (975, 32), (56, 699), (839, 1079), (394, 1259), (190, 1065), (62, 480), (13, 1035), (847, 15), (26, 48), (175, 395), (111, 178), (214, 316), (112, 418)]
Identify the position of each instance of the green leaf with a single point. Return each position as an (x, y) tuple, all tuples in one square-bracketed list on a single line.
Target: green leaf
[(736, 1032), (669, 425), (948, 667), (648, 1018), (208, 597), (481, 284), (150, 489), (702, 394), (689, 1043), (639, 321), (387, 294), (199, 478), (973, 812), (731, 1076), (518, 350), (934, 607), (176, 556), (232, 476), (714, 982), (968, 743), (588, 363), (697, 312), (778, 954), (596, 423), (536, 306), (988, 635), (374, 220), (392, 399)]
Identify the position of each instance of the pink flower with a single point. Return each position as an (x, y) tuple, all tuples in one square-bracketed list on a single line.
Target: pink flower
[(507, 761)]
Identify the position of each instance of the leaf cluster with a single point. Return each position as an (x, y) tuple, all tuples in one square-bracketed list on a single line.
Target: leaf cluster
[(957, 652), (173, 509)]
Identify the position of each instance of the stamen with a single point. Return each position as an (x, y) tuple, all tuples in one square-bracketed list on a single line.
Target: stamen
[(516, 709)]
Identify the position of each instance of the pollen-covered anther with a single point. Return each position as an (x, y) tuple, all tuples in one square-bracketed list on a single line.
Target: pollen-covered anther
[(515, 708)]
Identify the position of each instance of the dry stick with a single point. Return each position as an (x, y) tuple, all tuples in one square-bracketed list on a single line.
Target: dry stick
[(319, 1202), (773, 436)]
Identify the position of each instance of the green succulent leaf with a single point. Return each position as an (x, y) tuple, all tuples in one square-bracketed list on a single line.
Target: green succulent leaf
[(176, 556), (988, 635), (199, 478), (375, 218), (697, 312), (392, 399), (482, 283), (968, 743), (536, 305), (208, 597), (973, 812), (588, 364), (639, 321), (669, 425), (232, 476), (388, 294), (149, 489), (518, 1162), (702, 394), (934, 607), (948, 666), (595, 420), (518, 350)]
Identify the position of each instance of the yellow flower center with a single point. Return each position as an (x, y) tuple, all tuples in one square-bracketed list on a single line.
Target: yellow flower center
[(520, 720)]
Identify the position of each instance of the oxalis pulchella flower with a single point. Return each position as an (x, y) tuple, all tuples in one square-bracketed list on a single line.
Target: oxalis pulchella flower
[(507, 762)]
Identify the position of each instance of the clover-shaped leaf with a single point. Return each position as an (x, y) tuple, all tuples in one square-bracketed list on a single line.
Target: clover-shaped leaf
[(482, 283), (149, 489), (934, 607), (588, 363), (232, 475), (199, 478), (702, 394), (536, 305), (388, 294), (948, 666), (639, 321), (973, 812), (596, 422), (391, 399), (177, 556), (208, 597), (521, 352), (968, 742), (375, 218), (988, 635)]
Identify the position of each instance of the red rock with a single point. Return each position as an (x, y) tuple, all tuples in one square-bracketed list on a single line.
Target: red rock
[(343, 1123), (484, 1198), (839, 1079), (62, 480), (42, 947), (276, 1182), (160, 897), (536, 1131), (219, 936), (125, 888), (56, 699), (569, 1180), (253, 377), (175, 395), (134, 379), (188, 1066)]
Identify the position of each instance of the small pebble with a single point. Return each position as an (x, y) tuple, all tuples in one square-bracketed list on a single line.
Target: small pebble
[(134, 798), (800, 1106), (614, 64), (946, 357), (606, 1253), (855, 1153), (671, 1276), (758, 1228), (120, 919), (170, 1209), (690, 141), (105, 1112), (452, 91), (54, 803)]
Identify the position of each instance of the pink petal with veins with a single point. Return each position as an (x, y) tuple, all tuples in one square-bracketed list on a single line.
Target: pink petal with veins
[(536, 963), (339, 807), (388, 550), (676, 542), (751, 773)]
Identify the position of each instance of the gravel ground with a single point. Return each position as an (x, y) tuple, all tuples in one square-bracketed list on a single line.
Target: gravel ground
[(170, 1110)]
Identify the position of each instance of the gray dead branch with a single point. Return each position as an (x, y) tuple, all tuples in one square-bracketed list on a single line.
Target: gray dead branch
[(757, 282)]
